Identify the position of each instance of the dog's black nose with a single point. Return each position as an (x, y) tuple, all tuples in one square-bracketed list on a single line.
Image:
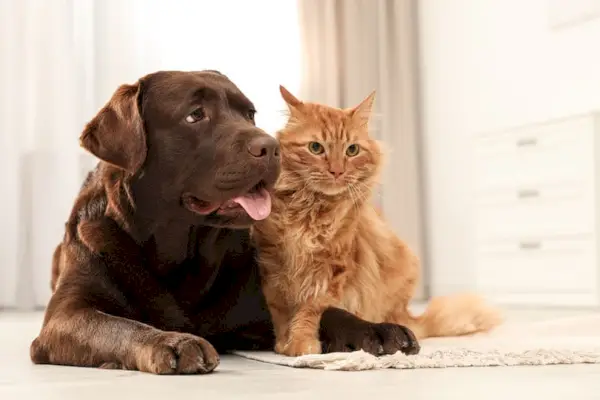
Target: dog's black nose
[(264, 146)]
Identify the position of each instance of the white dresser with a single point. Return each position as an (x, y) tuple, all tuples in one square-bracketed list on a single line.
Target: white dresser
[(536, 218)]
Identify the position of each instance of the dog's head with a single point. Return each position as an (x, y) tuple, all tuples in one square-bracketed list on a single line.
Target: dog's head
[(188, 139)]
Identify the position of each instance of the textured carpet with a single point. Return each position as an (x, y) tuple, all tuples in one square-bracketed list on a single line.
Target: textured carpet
[(573, 340)]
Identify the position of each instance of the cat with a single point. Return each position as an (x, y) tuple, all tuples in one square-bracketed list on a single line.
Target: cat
[(325, 244)]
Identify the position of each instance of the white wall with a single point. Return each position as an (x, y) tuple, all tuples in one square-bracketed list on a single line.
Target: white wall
[(489, 65)]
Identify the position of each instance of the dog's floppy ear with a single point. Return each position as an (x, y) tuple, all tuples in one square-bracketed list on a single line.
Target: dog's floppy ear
[(116, 135)]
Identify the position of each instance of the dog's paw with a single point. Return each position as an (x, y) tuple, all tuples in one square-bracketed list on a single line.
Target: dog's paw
[(377, 339), (177, 353)]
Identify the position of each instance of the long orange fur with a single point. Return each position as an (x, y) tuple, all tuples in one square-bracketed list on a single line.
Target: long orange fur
[(325, 244)]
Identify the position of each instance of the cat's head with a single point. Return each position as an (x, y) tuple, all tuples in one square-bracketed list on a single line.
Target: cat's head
[(327, 149)]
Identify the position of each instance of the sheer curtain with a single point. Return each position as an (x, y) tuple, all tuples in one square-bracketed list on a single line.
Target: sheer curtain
[(60, 60), (352, 47)]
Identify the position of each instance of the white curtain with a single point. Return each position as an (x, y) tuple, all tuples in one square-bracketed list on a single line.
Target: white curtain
[(352, 47), (60, 60)]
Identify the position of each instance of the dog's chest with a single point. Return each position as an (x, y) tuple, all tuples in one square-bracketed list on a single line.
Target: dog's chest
[(214, 256), (192, 281), (170, 247)]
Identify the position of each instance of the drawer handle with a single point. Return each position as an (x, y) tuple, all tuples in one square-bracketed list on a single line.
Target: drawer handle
[(527, 142), (528, 193), (530, 245)]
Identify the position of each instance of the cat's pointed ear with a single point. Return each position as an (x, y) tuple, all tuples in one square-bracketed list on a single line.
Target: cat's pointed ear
[(292, 101), (363, 111)]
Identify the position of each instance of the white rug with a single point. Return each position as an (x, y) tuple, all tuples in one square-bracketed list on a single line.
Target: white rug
[(573, 340)]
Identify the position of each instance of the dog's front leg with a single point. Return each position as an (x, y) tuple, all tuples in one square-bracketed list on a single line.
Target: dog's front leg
[(76, 334), (127, 268)]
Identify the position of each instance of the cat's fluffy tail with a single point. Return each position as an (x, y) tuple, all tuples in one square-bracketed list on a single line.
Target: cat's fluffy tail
[(455, 315)]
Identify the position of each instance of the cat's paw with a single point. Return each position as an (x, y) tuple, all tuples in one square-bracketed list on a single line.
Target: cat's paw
[(299, 347)]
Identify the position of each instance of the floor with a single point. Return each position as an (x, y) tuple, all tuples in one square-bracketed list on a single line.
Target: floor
[(240, 378)]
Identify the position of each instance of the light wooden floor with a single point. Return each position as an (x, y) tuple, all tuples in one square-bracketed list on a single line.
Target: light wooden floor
[(244, 379)]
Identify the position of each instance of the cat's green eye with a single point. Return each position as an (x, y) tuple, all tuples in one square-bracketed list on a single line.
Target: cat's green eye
[(352, 150), (316, 148)]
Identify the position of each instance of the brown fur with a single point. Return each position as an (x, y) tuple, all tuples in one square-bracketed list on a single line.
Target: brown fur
[(326, 245), (142, 272)]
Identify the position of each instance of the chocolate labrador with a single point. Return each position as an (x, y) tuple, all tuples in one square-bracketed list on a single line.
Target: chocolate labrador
[(156, 271)]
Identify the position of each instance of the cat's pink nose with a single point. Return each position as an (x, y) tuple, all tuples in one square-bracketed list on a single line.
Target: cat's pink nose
[(336, 171)]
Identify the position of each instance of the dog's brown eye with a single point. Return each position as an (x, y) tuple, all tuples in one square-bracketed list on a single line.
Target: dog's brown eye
[(352, 150), (195, 116), (251, 114), (316, 148)]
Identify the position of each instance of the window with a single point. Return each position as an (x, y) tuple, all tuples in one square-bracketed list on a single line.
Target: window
[(255, 43)]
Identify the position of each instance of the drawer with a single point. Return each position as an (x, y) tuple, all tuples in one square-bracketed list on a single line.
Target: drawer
[(536, 211), (551, 153), (537, 266)]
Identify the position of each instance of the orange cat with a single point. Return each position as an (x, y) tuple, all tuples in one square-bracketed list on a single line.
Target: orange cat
[(325, 245)]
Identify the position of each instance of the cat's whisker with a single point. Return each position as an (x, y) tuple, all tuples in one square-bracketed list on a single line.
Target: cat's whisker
[(359, 196), (351, 195), (354, 196), (364, 188), (355, 189)]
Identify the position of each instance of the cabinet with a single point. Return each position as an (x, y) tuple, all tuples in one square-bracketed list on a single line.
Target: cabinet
[(536, 218)]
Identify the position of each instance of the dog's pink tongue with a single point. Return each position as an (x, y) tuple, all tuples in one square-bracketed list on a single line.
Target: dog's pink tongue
[(257, 205)]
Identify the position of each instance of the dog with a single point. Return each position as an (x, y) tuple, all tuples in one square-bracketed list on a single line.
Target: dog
[(157, 271)]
